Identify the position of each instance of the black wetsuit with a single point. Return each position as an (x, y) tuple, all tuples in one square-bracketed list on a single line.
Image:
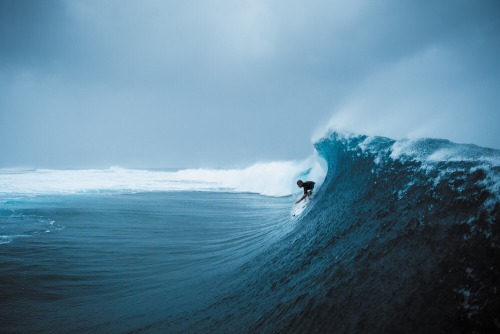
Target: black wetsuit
[(308, 186)]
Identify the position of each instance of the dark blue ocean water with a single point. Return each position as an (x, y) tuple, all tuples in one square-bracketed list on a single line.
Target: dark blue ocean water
[(119, 262), (400, 237)]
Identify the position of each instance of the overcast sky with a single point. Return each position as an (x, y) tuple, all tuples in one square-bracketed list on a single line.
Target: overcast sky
[(229, 83)]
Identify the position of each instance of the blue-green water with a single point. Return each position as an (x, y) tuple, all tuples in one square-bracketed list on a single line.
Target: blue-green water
[(400, 237), (118, 262)]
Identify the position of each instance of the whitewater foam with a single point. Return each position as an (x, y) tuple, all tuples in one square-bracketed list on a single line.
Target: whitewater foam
[(270, 179), (436, 150)]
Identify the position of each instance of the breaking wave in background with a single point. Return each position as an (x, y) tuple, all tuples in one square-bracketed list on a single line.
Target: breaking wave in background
[(269, 179)]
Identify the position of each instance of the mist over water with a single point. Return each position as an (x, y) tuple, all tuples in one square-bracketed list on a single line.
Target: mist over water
[(400, 235), (216, 84)]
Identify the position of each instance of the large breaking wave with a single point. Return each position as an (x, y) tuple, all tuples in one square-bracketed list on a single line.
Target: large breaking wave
[(403, 236), (400, 237)]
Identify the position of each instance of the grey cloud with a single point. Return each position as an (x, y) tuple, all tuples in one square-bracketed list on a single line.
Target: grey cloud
[(222, 83)]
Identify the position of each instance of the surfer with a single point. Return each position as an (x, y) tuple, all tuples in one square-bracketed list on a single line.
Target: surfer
[(308, 187)]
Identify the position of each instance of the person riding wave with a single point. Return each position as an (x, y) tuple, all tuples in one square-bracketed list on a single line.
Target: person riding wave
[(308, 187)]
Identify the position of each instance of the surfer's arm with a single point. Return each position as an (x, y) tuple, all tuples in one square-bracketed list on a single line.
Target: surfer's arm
[(303, 196)]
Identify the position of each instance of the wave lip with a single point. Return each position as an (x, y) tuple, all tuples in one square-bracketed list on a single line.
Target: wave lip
[(437, 158)]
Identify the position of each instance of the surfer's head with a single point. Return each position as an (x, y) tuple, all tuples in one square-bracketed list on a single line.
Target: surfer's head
[(300, 183)]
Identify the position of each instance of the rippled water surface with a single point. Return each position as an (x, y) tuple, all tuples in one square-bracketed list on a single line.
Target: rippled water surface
[(121, 261)]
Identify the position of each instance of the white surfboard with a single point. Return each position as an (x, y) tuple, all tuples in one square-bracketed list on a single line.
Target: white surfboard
[(297, 209)]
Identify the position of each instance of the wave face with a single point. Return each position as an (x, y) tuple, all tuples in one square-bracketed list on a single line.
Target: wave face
[(402, 236)]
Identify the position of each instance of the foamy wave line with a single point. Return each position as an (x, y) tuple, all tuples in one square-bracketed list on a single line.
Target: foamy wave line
[(7, 239), (270, 179)]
